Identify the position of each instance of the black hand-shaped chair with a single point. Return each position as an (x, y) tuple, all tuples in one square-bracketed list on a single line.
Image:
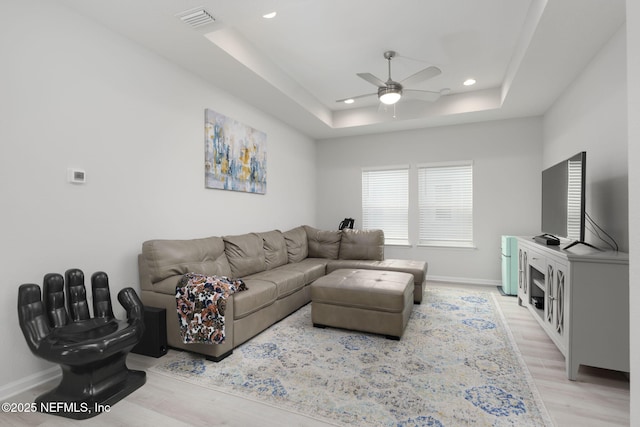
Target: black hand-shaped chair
[(91, 351)]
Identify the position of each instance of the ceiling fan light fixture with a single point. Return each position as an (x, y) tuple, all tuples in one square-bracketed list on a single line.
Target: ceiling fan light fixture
[(390, 98), (390, 94)]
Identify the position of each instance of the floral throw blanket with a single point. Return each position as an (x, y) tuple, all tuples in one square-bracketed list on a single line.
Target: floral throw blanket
[(201, 302)]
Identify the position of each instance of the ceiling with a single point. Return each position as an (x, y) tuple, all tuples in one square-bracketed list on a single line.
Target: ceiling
[(522, 53)]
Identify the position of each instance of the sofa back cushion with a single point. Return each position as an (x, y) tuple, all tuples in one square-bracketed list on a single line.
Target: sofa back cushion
[(245, 253), (297, 247), (362, 244), (323, 243), (168, 258), (275, 249)]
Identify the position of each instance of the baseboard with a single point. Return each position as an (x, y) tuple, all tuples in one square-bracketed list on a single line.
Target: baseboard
[(28, 382), (464, 280)]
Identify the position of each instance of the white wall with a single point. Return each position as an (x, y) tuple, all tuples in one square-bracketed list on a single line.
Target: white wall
[(633, 91), (76, 95), (507, 165), (591, 116), (600, 113)]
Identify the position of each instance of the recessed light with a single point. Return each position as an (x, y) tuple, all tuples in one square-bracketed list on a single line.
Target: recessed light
[(349, 101), (269, 15), (469, 82)]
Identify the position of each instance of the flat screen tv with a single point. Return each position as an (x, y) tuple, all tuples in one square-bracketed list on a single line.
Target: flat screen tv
[(563, 199)]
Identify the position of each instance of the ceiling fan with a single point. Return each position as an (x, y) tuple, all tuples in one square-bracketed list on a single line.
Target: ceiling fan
[(390, 92)]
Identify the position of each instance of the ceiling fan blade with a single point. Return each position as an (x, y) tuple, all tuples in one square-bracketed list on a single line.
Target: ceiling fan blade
[(422, 75), (356, 97), (372, 79), (422, 95)]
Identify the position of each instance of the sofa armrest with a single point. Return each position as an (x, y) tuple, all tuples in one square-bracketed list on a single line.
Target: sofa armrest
[(143, 274)]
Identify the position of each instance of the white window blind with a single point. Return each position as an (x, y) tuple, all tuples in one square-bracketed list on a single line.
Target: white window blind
[(385, 203), (574, 202), (445, 200)]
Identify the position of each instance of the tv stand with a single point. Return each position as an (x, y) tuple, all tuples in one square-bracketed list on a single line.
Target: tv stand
[(580, 242), (580, 298)]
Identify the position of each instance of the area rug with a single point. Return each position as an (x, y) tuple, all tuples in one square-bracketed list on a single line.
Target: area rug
[(456, 365)]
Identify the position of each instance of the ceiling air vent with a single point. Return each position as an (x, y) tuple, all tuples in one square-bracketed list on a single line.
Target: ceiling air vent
[(196, 18)]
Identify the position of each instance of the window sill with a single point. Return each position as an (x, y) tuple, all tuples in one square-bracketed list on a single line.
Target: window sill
[(406, 244), (446, 246)]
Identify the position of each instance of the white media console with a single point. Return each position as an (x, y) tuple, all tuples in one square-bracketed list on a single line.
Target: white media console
[(580, 297)]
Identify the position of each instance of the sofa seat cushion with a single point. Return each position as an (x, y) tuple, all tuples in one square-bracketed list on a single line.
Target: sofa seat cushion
[(245, 253), (311, 268), (260, 294), (286, 281), (417, 268)]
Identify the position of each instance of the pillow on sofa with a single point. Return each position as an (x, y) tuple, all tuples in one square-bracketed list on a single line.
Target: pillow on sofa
[(323, 243), (296, 240), (275, 248), (362, 244), (245, 254)]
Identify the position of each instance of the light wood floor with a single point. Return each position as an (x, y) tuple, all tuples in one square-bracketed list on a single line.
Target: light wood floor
[(598, 397)]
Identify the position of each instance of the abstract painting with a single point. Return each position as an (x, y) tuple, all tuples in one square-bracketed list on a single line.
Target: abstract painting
[(235, 155)]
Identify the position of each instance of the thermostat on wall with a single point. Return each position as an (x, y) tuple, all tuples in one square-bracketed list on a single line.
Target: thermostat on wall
[(76, 176)]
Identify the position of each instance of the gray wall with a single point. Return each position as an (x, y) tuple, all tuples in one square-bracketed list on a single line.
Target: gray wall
[(600, 113), (507, 165), (77, 95), (591, 116)]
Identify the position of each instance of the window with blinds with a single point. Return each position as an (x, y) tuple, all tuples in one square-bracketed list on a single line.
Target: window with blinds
[(385, 202), (445, 200)]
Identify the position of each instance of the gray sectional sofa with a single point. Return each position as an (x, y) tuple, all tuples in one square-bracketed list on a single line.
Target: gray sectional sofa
[(276, 266)]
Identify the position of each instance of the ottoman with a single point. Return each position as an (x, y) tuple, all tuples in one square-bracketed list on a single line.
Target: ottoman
[(363, 300)]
